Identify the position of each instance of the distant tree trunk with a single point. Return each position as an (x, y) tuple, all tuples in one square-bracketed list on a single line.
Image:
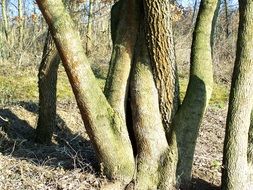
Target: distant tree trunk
[(21, 21), (47, 92), (5, 20), (189, 116), (235, 162), (214, 24), (89, 28)]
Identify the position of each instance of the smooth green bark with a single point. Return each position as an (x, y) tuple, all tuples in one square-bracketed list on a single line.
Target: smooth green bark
[(104, 126), (188, 119), (235, 161)]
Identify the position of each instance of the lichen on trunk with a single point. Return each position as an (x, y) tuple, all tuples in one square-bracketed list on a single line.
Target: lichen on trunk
[(188, 118)]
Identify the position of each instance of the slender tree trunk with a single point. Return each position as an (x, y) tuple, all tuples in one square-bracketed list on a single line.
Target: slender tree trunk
[(21, 21), (235, 166), (89, 28), (5, 20), (47, 92), (214, 24), (188, 119), (104, 126)]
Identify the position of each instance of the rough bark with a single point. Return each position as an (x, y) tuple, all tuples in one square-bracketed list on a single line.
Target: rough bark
[(188, 119), (153, 154), (159, 37), (235, 169), (89, 28), (5, 20), (47, 92), (125, 27), (104, 126)]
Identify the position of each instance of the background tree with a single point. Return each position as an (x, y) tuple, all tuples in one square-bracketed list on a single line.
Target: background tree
[(235, 161), (47, 91), (5, 19)]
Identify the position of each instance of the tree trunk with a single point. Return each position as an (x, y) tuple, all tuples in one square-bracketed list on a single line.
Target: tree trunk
[(89, 28), (159, 36), (5, 20), (124, 28), (104, 126), (156, 161), (188, 119), (235, 169), (21, 22), (47, 92)]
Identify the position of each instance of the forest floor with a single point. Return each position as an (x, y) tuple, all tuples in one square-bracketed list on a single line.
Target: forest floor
[(70, 162)]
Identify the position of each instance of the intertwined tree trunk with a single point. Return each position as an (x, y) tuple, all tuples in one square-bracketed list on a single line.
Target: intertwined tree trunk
[(143, 74), (47, 92), (235, 160)]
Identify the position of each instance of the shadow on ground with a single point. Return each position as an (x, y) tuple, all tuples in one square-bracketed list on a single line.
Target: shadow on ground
[(67, 151)]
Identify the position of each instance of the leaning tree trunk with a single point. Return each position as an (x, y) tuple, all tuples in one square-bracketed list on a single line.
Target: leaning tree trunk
[(107, 131), (235, 172), (47, 92), (188, 119)]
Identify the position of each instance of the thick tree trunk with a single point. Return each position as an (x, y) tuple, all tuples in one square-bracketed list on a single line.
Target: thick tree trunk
[(5, 20), (89, 28), (47, 92), (188, 119), (159, 36), (235, 172), (104, 126), (154, 158)]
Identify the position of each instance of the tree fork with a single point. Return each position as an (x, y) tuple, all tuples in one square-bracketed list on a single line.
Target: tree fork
[(104, 126)]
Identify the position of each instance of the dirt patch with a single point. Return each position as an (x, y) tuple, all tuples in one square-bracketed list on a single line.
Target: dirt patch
[(70, 163)]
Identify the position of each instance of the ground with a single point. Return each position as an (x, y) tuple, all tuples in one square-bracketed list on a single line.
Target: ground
[(70, 163)]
